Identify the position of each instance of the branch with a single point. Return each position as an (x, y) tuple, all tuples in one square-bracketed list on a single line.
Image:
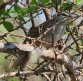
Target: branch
[(27, 73), (2, 5), (16, 73), (61, 58)]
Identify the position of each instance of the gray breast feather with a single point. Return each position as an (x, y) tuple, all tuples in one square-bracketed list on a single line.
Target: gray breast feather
[(58, 33)]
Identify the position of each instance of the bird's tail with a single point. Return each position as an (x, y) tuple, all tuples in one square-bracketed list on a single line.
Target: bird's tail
[(21, 61)]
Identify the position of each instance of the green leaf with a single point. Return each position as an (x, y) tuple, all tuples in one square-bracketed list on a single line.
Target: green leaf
[(59, 2), (66, 32), (8, 25), (12, 11), (65, 6), (34, 2), (82, 41), (78, 2), (53, 4), (45, 1), (0, 17), (71, 24), (21, 18), (74, 29), (17, 9), (31, 8), (25, 9), (2, 11)]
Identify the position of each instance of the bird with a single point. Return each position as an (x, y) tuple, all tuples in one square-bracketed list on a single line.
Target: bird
[(59, 24)]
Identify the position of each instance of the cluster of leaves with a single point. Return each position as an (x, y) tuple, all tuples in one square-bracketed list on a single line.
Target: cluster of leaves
[(34, 6)]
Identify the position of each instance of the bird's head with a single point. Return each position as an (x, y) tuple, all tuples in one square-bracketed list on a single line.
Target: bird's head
[(65, 17)]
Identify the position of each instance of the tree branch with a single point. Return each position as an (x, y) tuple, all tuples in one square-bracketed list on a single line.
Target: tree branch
[(2, 5), (61, 58)]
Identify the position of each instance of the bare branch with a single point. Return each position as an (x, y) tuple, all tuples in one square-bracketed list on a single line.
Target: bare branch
[(61, 58), (16, 73)]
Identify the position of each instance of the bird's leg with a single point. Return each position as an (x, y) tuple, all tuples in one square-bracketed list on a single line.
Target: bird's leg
[(6, 57), (18, 74), (14, 53), (21, 74)]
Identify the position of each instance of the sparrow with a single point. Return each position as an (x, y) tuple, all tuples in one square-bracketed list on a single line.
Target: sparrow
[(44, 33), (58, 23)]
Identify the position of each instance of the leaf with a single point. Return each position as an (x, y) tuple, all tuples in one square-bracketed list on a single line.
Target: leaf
[(45, 1), (12, 11), (65, 6), (25, 9), (1, 17), (8, 25), (31, 8), (82, 41), (59, 2), (2, 11), (71, 24), (66, 32), (17, 9), (78, 2), (21, 18), (74, 29), (34, 2)]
